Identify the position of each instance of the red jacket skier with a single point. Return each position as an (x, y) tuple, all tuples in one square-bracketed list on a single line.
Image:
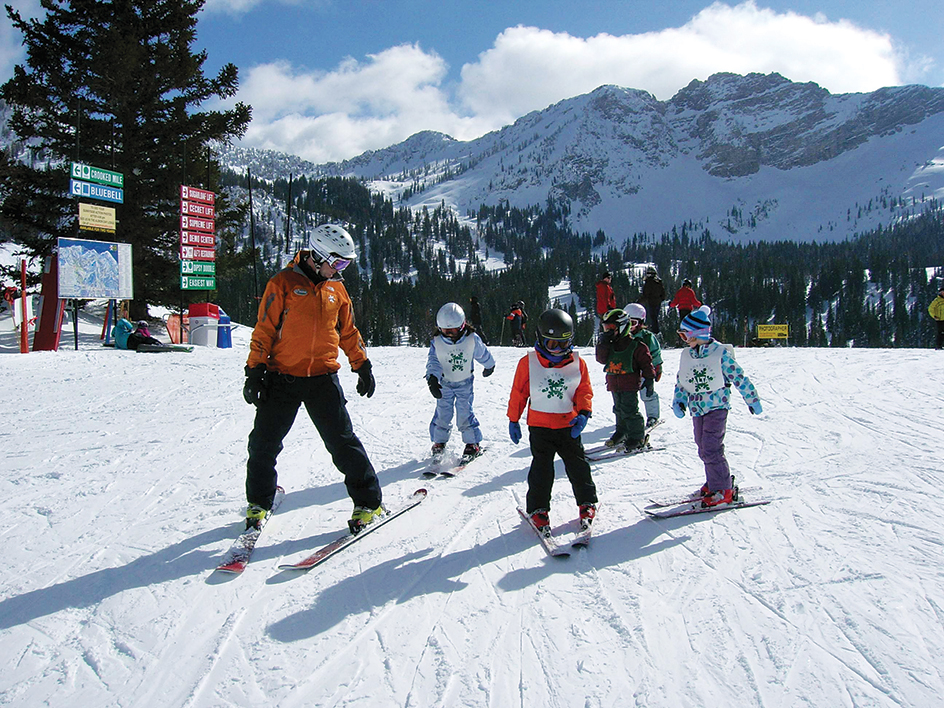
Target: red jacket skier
[(685, 300)]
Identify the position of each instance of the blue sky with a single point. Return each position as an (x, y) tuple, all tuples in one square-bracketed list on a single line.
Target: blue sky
[(329, 79)]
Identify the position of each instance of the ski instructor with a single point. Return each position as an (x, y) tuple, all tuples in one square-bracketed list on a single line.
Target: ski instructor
[(304, 317)]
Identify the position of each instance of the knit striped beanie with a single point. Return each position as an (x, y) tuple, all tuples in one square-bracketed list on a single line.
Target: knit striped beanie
[(697, 323)]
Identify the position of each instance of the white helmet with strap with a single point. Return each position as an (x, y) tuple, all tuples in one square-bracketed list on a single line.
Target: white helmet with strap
[(332, 240)]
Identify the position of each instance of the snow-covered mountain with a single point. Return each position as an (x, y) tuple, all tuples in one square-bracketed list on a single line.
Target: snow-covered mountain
[(753, 157)]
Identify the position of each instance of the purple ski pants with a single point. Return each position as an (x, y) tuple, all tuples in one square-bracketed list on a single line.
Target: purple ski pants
[(709, 437)]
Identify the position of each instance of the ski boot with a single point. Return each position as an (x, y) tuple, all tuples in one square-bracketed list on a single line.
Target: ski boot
[(615, 440), (255, 515), (541, 521), (722, 496), (637, 446), (588, 513), (362, 516), (472, 450)]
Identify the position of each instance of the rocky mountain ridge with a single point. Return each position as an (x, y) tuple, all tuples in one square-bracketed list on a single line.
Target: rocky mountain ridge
[(756, 144), (751, 157)]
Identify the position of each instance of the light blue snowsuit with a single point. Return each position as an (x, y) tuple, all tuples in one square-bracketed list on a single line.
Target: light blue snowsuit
[(451, 363)]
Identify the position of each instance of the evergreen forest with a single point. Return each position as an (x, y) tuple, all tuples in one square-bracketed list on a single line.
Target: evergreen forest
[(871, 291)]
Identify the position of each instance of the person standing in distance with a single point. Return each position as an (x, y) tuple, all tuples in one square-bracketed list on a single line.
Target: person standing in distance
[(685, 300), (936, 310), (653, 293), (305, 316), (606, 298)]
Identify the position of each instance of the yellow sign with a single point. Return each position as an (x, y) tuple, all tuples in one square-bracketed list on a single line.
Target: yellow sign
[(93, 217), (773, 331)]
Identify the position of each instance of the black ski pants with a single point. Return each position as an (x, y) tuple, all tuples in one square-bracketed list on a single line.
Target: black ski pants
[(324, 400), (545, 444)]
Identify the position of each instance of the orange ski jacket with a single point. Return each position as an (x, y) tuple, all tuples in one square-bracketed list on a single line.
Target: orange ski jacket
[(301, 324), (521, 393)]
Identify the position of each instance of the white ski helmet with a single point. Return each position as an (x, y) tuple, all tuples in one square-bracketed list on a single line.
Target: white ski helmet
[(332, 240), (450, 316), (636, 311)]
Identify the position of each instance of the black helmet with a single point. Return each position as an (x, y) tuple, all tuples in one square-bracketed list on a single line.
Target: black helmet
[(555, 335)]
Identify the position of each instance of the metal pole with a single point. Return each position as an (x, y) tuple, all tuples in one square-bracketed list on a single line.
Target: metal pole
[(24, 324), (75, 322), (252, 237), (288, 216)]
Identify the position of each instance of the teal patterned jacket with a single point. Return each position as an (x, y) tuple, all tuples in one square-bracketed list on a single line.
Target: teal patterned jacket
[(718, 397)]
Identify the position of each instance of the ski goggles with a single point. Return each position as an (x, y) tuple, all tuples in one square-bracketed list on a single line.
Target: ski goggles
[(337, 262), (556, 345), (452, 333)]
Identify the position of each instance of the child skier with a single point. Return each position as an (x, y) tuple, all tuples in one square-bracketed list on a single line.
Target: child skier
[(554, 383), (449, 377), (707, 370), (637, 325), (627, 362)]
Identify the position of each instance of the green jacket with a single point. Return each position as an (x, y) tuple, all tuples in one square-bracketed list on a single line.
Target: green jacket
[(652, 342)]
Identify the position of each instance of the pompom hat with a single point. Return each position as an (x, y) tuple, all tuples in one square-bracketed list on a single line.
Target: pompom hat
[(698, 323)]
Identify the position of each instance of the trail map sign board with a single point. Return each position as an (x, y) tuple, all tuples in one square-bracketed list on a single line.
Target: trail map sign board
[(94, 269)]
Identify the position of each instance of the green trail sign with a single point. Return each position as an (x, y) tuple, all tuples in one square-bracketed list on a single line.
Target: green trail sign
[(196, 282), (197, 268), (97, 174)]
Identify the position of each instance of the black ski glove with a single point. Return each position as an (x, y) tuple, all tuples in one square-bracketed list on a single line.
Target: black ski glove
[(256, 388), (435, 387), (365, 380), (488, 372)]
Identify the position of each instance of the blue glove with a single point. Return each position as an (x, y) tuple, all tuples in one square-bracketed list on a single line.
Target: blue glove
[(755, 408), (514, 431), (679, 409), (577, 425)]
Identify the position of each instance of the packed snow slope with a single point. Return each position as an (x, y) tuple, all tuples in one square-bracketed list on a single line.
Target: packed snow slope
[(122, 486)]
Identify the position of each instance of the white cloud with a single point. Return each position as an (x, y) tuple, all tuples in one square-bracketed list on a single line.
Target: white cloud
[(332, 115), (240, 7), (837, 55), (358, 106)]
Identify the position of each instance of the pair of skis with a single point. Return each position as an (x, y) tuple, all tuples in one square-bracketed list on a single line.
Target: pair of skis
[(553, 544), (435, 468), (669, 509), (237, 558), (602, 452)]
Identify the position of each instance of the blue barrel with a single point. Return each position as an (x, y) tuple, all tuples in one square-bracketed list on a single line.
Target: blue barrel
[(224, 333)]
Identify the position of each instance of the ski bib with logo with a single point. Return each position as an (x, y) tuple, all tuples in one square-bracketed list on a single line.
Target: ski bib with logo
[(702, 375), (621, 362), (456, 359), (553, 390)]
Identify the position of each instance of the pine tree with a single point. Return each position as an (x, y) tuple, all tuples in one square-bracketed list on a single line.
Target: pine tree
[(115, 85)]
